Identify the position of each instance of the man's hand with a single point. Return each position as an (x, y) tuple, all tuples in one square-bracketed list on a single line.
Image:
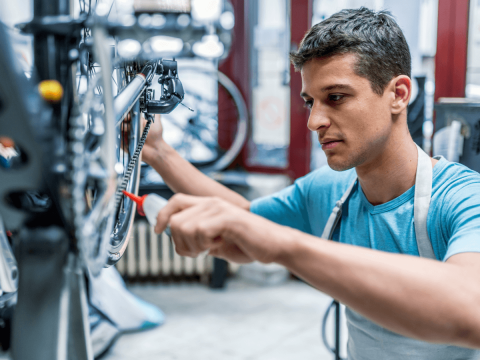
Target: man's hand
[(154, 139), (227, 231)]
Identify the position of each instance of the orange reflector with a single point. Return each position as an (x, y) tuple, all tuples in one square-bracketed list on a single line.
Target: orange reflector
[(50, 90), (6, 142)]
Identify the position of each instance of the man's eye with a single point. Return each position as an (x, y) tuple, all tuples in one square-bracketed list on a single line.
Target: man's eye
[(335, 97), (308, 104)]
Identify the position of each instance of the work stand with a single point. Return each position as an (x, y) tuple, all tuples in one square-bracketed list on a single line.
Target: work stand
[(50, 321), (336, 349)]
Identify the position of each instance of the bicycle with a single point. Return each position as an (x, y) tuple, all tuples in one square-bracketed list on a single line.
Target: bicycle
[(59, 191)]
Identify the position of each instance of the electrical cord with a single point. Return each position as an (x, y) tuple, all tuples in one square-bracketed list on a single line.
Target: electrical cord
[(323, 329)]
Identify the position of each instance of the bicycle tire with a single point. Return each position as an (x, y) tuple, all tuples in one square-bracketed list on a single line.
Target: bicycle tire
[(124, 213)]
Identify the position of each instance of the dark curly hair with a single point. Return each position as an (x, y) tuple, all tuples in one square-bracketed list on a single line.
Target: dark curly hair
[(374, 37)]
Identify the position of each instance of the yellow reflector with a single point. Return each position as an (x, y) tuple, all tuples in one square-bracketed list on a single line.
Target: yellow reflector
[(50, 90)]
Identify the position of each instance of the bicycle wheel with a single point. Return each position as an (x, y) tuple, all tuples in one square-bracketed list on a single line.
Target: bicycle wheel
[(107, 236), (195, 135), (125, 211)]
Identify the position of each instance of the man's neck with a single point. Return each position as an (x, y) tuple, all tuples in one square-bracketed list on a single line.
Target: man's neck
[(391, 173)]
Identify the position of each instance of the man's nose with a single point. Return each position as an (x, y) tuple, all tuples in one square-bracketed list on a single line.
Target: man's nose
[(318, 118)]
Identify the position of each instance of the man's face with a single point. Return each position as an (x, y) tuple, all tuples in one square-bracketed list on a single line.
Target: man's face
[(352, 122)]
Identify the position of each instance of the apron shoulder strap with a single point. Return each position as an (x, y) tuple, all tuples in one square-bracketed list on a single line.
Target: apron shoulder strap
[(421, 204), (423, 195), (336, 214)]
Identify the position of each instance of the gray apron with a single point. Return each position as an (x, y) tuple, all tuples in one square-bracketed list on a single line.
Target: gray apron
[(369, 341)]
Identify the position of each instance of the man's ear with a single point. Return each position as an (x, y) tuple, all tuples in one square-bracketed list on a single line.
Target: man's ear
[(402, 87)]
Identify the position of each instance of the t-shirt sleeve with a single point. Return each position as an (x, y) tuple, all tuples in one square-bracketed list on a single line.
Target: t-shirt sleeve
[(463, 219), (287, 207)]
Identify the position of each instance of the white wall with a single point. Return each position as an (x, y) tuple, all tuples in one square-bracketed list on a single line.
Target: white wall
[(15, 11), (407, 15), (416, 18)]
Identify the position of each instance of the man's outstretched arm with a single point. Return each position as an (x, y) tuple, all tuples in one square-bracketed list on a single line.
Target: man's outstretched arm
[(420, 298), (179, 174), (416, 297)]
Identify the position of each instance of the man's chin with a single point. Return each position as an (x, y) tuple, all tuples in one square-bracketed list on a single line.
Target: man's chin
[(338, 164)]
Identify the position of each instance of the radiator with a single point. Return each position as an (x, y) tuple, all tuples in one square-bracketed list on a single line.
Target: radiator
[(152, 257)]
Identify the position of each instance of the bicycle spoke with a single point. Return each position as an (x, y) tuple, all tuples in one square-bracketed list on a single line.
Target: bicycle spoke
[(111, 7)]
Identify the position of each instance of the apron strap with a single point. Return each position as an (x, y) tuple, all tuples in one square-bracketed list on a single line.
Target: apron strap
[(421, 204), (423, 194), (336, 214)]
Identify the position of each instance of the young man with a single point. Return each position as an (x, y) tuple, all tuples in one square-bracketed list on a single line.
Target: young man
[(355, 68)]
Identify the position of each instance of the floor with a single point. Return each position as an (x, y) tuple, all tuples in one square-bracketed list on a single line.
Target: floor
[(244, 321)]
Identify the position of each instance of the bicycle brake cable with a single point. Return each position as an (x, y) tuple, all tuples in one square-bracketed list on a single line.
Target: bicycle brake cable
[(189, 108)]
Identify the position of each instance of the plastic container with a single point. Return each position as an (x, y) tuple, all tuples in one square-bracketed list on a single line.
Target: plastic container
[(149, 206)]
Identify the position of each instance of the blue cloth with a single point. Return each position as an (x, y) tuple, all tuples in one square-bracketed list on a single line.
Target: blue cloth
[(453, 220), (453, 225), (114, 310)]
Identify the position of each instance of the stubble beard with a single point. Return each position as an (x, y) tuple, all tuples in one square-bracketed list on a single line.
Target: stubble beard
[(352, 159), (360, 156)]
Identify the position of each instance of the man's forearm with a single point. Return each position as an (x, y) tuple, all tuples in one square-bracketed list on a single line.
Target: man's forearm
[(424, 299), (183, 177)]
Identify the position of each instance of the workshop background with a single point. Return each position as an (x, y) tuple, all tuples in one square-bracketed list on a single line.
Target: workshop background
[(215, 310)]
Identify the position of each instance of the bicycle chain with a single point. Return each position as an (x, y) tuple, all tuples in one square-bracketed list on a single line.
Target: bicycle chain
[(78, 175), (132, 163)]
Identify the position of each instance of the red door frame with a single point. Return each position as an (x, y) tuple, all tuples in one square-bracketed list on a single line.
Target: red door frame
[(300, 147), (237, 68), (452, 43)]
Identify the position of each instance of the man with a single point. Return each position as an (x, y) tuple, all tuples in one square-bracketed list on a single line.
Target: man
[(355, 69)]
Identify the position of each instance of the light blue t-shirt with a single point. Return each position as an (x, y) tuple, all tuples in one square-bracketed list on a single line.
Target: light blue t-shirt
[(453, 225)]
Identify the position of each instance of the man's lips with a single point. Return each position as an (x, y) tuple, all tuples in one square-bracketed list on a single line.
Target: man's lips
[(329, 144)]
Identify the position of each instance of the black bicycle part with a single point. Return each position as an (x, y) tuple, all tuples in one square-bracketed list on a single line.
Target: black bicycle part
[(335, 350), (172, 92)]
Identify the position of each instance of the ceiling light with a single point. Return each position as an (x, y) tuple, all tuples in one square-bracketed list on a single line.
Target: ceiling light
[(206, 10), (227, 20), (128, 48), (163, 45), (208, 47)]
